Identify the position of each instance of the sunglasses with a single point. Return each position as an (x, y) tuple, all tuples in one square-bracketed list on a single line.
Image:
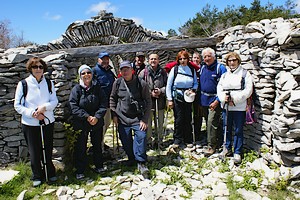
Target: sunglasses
[(182, 59), (233, 60), (37, 66), (84, 73)]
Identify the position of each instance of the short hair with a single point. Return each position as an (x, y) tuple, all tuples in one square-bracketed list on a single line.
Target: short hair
[(35, 61), (209, 50), (233, 54), (182, 53)]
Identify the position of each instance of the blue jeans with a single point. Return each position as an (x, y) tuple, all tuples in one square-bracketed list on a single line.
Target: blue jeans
[(135, 148), (236, 118)]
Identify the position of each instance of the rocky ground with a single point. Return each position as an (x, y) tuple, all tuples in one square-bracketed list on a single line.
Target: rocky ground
[(183, 175)]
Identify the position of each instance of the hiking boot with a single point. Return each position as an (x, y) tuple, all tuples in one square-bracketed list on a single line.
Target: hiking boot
[(100, 170), (36, 183), (209, 151), (80, 176), (143, 170), (53, 179), (237, 159)]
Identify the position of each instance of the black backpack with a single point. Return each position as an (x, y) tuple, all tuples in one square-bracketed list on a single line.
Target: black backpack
[(25, 88)]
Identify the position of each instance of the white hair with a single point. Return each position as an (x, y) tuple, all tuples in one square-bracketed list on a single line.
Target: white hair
[(209, 50)]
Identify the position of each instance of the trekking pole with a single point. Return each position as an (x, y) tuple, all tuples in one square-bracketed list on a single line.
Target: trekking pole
[(166, 122), (156, 117), (193, 126), (225, 127), (42, 122), (117, 137), (113, 137)]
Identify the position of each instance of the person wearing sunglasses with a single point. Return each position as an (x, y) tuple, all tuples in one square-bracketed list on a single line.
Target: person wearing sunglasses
[(182, 78), (37, 106), (234, 88), (88, 107)]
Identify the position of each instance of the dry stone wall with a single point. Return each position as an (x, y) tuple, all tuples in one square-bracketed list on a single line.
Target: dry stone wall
[(269, 50)]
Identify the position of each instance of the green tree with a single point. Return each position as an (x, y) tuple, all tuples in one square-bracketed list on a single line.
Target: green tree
[(171, 33), (209, 20)]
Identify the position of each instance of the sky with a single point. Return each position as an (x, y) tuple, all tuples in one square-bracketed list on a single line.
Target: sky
[(42, 21)]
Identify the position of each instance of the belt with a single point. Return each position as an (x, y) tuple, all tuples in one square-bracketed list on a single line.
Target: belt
[(208, 94)]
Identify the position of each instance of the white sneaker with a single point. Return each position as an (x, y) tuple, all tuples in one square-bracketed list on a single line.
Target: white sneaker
[(237, 158)]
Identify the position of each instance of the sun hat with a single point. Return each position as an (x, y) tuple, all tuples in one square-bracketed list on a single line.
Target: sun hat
[(189, 96)]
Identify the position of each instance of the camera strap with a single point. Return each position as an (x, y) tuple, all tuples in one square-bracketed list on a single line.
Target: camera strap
[(130, 94)]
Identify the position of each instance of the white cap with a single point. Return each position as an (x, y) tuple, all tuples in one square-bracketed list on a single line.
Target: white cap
[(189, 96)]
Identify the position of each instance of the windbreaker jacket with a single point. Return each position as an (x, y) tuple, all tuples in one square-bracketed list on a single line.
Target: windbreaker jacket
[(104, 78), (85, 103), (209, 78), (156, 79), (120, 101), (37, 95), (231, 81)]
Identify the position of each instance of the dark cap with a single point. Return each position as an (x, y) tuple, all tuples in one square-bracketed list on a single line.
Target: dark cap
[(103, 54), (125, 63), (139, 54)]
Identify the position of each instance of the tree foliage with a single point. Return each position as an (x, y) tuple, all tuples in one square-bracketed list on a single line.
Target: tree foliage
[(210, 20)]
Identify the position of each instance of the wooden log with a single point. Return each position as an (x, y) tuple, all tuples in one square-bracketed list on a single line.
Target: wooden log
[(93, 51)]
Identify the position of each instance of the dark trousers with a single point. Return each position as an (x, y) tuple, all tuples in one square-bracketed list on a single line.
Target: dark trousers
[(182, 125), (80, 155), (33, 140), (235, 119), (198, 119), (134, 148)]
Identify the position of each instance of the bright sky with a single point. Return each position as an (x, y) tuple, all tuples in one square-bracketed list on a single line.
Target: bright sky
[(42, 21)]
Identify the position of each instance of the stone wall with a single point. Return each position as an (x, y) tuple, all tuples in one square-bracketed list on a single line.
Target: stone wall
[(269, 50)]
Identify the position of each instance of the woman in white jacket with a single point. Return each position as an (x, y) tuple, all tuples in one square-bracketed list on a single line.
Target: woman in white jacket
[(234, 88), (36, 108)]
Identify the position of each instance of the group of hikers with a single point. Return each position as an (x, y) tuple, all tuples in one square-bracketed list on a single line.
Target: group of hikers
[(139, 95)]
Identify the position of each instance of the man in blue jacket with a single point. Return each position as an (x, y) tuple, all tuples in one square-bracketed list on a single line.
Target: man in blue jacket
[(210, 74), (105, 78)]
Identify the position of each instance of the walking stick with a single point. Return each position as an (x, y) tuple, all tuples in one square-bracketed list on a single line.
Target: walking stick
[(193, 125), (113, 136), (156, 127), (117, 137), (225, 127), (166, 122), (42, 122)]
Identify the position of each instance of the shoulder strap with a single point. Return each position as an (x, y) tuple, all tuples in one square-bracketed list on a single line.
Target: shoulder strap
[(25, 90), (244, 74), (49, 85), (175, 74)]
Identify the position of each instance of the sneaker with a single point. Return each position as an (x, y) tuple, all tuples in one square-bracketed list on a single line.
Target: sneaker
[(36, 183), (53, 179), (237, 158), (225, 153), (209, 151), (189, 145), (99, 170), (143, 170), (80, 176)]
